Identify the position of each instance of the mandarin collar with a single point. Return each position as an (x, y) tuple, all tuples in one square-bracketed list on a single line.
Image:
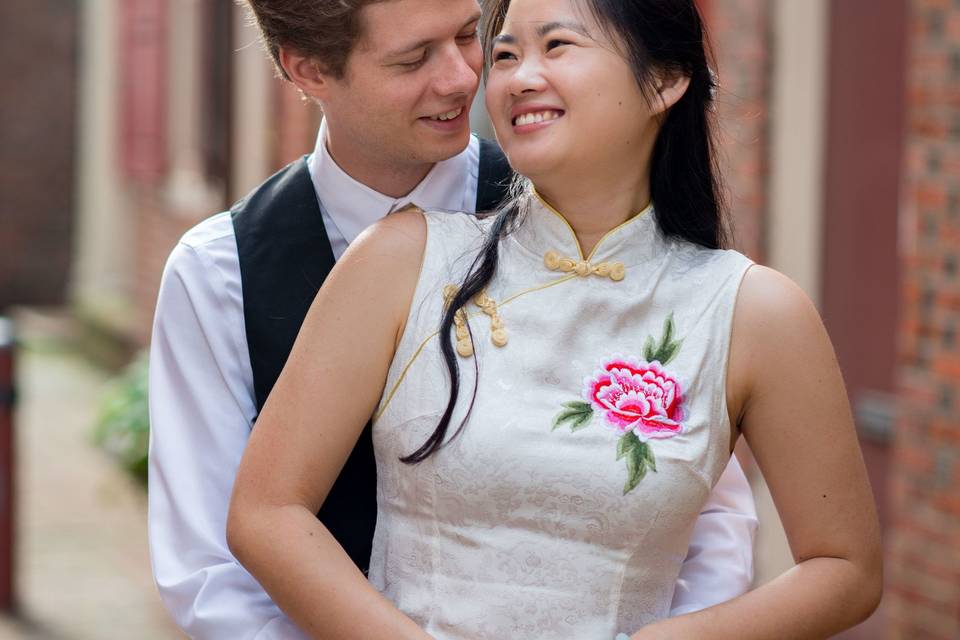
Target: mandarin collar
[(544, 230)]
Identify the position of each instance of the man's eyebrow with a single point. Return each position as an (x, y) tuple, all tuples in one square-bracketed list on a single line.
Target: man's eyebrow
[(427, 42)]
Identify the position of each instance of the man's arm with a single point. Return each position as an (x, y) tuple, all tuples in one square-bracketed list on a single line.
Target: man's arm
[(719, 562), (201, 407)]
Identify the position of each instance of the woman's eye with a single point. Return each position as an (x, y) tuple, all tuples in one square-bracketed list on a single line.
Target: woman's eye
[(553, 44), (502, 55)]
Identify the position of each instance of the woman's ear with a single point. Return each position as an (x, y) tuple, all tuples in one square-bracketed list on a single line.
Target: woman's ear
[(670, 88), (306, 73)]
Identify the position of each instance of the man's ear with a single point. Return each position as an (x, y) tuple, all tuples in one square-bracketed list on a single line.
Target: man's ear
[(306, 73), (670, 88)]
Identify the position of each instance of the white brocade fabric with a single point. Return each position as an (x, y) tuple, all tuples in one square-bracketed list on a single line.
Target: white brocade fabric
[(525, 528)]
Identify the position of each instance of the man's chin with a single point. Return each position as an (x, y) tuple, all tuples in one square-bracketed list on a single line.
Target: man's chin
[(433, 150)]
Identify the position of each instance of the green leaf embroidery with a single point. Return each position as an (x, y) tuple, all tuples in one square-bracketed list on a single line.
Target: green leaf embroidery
[(667, 349), (639, 457), (648, 456), (626, 444), (649, 350), (577, 413)]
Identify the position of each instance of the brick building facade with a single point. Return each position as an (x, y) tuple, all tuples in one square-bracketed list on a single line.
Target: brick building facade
[(924, 560)]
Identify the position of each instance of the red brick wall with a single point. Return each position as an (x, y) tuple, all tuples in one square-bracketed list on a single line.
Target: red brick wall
[(143, 89), (38, 40), (739, 34), (923, 564)]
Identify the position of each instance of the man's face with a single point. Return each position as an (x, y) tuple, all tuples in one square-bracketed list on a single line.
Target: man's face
[(405, 97)]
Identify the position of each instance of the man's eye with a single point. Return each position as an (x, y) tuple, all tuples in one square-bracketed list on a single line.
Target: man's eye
[(467, 38), (413, 64)]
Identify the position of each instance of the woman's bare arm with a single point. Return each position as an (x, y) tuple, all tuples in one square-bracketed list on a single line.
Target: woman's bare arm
[(785, 386), (327, 392)]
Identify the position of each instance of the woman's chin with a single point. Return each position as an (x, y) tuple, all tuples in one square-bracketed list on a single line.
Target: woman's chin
[(533, 165)]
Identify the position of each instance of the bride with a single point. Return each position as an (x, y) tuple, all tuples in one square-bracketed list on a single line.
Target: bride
[(556, 387)]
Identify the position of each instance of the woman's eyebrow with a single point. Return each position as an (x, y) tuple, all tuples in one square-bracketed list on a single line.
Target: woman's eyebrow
[(543, 30), (547, 27)]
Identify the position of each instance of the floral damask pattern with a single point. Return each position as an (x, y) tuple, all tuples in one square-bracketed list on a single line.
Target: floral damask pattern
[(639, 400)]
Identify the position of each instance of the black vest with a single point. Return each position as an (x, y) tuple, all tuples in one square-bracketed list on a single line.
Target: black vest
[(285, 256)]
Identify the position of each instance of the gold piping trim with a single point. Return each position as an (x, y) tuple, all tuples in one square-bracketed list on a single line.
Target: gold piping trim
[(403, 374), (573, 233), (416, 354), (539, 288)]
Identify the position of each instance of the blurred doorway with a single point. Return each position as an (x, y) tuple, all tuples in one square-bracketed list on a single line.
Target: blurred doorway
[(38, 42), (866, 117)]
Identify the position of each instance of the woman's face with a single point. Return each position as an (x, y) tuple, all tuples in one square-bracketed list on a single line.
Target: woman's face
[(561, 96)]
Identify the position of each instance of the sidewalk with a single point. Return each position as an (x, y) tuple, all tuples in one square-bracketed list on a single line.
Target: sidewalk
[(83, 566)]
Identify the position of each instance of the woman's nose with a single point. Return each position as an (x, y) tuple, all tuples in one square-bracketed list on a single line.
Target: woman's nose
[(527, 76)]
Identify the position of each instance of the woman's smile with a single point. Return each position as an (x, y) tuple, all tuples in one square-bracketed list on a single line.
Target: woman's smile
[(534, 117)]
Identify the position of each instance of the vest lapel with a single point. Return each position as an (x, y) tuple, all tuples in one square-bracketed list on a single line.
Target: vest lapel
[(285, 256)]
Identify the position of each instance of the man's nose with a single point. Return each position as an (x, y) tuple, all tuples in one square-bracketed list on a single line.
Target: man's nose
[(457, 75)]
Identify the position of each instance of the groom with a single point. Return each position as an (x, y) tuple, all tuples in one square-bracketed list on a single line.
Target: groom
[(395, 80)]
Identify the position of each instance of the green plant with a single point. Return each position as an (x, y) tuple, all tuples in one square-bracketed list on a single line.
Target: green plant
[(123, 424)]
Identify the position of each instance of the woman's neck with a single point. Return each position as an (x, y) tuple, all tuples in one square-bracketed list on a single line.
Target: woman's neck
[(593, 207)]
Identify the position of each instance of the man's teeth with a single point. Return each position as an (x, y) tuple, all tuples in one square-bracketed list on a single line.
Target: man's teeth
[(534, 118), (449, 115)]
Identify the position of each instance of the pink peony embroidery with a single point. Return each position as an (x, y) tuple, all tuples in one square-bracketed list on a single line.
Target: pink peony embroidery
[(638, 399), (636, 396)]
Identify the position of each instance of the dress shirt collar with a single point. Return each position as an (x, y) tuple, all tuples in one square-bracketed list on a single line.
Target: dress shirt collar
[(353, 206)]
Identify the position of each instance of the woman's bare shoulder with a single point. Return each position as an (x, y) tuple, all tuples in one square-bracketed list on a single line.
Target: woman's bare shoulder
[(776, 330), (769, 300), (378, 273), (399, 239)]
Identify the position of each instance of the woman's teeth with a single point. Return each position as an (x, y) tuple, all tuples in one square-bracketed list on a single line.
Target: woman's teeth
[(534, 118), (449, 115)]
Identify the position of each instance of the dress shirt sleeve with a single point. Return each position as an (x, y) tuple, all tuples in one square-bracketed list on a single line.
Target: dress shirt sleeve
[(719, 562), (201, 408)]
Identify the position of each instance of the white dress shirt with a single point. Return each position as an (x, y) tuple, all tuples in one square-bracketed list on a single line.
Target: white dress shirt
[(202, 406)]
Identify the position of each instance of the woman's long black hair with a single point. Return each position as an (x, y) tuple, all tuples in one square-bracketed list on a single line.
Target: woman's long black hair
[(657, 36)]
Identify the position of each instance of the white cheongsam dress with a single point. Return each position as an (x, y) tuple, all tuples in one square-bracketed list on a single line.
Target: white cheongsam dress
[(564, 507)]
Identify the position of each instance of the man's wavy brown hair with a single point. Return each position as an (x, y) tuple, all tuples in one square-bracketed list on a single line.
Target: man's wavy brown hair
[(327, 30)]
